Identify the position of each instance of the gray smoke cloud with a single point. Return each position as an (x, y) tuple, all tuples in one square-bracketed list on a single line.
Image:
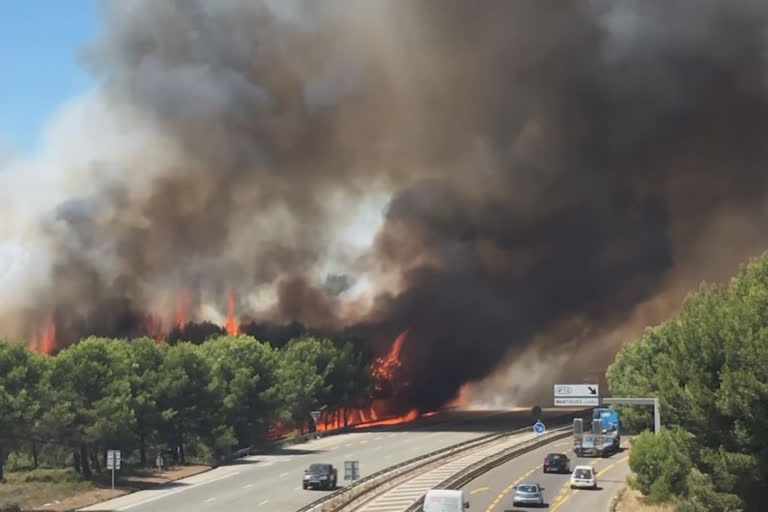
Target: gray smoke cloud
[(510, 180)]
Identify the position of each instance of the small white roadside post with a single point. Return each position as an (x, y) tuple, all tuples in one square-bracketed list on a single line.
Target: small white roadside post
[(113, 463)]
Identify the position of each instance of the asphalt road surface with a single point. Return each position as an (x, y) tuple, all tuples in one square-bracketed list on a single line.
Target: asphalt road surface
[(493, 491), (272, 482)]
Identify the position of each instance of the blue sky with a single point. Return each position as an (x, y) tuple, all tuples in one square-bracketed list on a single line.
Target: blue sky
[(39, 70)]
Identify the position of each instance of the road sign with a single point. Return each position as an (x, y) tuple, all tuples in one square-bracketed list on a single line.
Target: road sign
[(580, 390), (113, 459), (577, 402), (539, 427), (315, 415), (113, 463), (351, 470)]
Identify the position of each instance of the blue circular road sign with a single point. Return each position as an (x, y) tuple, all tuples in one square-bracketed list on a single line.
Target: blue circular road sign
[(539, 427)]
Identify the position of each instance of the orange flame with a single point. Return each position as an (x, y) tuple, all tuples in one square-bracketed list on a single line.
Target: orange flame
[(46, 341), (181, 309), (412, 415), (384, 369), (231, 325)]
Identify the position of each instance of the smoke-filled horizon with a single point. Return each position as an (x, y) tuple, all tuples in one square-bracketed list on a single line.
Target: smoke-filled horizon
[(523, 185)]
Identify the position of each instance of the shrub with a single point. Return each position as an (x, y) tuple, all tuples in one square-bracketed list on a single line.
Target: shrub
[(661, 463)]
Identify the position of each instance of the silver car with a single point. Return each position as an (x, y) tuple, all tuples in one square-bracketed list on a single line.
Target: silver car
[(528, 493)]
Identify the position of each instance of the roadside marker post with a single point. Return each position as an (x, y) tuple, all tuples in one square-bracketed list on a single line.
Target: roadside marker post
[(113, 463)]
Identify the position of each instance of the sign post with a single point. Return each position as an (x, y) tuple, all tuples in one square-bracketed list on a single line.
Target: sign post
[(351, 470), (577, 395), (113, 463)]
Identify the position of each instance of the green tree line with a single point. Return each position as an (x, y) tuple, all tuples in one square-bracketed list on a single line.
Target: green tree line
[(709, 368), (143, 398)]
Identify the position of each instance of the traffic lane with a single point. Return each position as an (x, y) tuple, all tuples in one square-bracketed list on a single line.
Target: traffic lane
[(274, 481), (611, 476), (283, 490), (494, 490)]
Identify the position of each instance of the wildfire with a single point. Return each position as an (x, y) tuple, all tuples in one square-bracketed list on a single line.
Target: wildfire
[(385, 370), (45, 343), (231, 325), (412, 415), (181, 309), (462, 398)]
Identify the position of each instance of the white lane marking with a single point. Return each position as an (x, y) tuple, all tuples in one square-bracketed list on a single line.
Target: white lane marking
[(297, 489), (347, 445), (209, 500), (285, 474), (264, 502), (363, 442), (179, 490), (246, 486)]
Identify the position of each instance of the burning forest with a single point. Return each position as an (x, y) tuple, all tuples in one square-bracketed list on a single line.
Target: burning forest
[(508, 190)]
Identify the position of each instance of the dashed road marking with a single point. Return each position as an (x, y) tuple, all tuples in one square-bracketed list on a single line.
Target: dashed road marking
[(479, 489), (509, 488)]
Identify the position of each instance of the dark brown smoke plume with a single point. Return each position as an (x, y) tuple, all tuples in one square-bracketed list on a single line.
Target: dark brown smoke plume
[(547, 168)]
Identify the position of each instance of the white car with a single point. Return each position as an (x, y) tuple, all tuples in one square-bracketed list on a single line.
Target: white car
[(584, 477)]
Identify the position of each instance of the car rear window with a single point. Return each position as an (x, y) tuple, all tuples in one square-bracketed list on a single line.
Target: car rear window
[(527, 488), (583, 473), (555, 457)]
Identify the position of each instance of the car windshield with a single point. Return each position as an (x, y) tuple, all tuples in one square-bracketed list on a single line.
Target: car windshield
[(583, 473), (527, 488), (318, 468)]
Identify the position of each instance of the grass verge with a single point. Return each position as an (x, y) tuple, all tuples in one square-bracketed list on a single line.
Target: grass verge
[(629, 500), (62, 490)]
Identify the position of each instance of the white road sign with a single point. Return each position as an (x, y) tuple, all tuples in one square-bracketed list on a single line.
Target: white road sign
[(571, 390), (113, 459), (577, 402)]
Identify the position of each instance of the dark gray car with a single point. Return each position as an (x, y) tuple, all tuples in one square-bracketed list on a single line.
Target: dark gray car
[(320, 476), (528, 493)]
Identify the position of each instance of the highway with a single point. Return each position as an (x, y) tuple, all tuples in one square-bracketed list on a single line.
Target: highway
[(493, 491), (272, 482)]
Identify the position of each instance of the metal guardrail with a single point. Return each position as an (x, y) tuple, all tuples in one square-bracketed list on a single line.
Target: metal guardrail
[(417, 462), (373, 476)]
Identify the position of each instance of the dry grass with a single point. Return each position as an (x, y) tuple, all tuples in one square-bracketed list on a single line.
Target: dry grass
[(632, 501), (60, 490), (35, 488)]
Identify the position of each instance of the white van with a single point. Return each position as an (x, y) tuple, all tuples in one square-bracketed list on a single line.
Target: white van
[(444, 500)]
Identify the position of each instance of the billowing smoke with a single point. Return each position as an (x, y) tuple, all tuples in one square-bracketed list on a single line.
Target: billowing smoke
[(522, 184)]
